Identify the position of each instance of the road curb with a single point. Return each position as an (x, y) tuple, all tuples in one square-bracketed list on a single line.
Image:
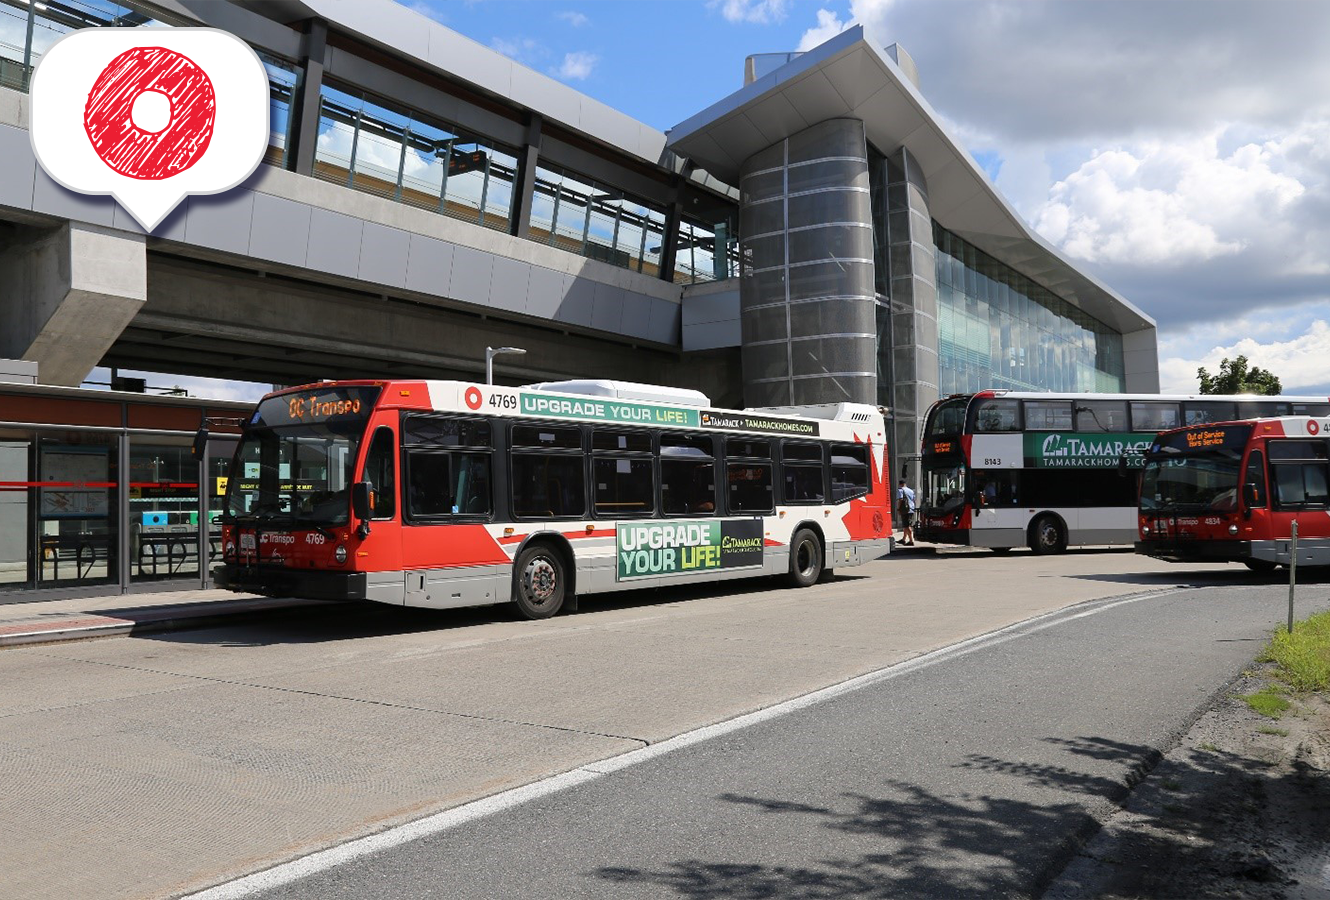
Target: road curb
[(151, 622)]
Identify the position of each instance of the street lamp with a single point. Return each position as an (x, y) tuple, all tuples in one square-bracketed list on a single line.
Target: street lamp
[(490, 353)]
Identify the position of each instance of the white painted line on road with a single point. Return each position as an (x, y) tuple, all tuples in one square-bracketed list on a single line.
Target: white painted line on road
[(322, 860)]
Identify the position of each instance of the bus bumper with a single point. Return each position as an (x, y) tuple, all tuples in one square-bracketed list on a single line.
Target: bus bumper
[(279, 581), (1205, 551)]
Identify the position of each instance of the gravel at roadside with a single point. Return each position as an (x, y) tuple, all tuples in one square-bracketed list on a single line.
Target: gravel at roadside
[(1240, 808)]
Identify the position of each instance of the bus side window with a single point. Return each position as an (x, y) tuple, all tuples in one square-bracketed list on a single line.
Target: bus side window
[(801, 471), (1154, 415), (687, 475), (379, 473), (849, 472)]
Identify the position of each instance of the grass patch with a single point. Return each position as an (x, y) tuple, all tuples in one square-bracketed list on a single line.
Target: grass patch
[(1277, 732), (1207, 747), (1303, 657), (1268, 702)]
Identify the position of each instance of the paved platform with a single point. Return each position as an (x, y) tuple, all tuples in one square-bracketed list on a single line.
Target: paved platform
[(82, 618)]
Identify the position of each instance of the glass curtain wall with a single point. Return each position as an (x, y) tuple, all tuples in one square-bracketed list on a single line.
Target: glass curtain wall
[(999, 329), (163, 509), (594, 220), (72, 517), (366, 145), (21, 46), (697, 259)]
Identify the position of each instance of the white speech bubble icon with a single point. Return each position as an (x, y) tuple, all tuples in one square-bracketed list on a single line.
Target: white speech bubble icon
[(149, 115)]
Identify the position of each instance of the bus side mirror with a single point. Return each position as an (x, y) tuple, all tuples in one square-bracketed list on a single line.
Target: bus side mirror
[(200, 446), (362, 506), (1251, 496)]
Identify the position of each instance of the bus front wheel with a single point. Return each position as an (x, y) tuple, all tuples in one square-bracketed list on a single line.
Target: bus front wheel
[(539, 582), (805, 558), (1048, 535)]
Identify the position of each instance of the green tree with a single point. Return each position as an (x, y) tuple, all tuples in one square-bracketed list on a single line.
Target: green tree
[(1236, 377)]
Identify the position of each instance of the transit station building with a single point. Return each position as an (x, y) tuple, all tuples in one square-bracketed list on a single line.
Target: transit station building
[(815, 236)]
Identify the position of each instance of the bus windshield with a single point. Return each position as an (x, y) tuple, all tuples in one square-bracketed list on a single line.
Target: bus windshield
[(296, 459), (1193, 471), (947, 418)]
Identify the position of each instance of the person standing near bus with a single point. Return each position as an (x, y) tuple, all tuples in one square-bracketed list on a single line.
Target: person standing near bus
[(905, 505)]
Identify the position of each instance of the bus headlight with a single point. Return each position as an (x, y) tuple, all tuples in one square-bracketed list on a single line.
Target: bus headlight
[(340, 554), (1232, 529), (1145, 529)]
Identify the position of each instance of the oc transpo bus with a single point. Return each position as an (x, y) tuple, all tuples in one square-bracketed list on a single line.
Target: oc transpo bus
[(1232, 491), (1005, 469), (447, 494)]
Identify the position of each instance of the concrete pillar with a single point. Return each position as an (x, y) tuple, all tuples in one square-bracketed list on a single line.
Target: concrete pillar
[(68, 293), (303, 135), (1140, 361), (528, 160), (806, 286), (913, 289)]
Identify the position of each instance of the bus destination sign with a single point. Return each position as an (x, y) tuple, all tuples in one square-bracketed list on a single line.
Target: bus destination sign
[(676, 548), (1060, 450)]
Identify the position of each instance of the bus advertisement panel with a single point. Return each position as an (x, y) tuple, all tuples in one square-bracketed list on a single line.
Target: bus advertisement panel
[(1232, 491), (1003, 469), (446, 494)]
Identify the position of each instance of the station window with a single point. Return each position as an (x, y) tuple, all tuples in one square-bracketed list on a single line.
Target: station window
[(591, 219), (371, 145)]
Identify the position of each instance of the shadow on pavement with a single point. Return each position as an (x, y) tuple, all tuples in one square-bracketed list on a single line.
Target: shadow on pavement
[(970, 845)]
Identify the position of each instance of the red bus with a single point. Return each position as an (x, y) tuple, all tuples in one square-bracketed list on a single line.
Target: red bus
[(1230, 492), (447, 494)]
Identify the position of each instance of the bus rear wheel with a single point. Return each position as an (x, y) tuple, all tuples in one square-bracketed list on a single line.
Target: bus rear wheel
[(1048, 535), (805, 558), (1259, 565), (539, 582)]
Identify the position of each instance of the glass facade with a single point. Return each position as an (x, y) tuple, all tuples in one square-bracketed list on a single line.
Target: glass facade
[(366, 145), (20, 43), (999, 329), (583, 216), (696, 258)]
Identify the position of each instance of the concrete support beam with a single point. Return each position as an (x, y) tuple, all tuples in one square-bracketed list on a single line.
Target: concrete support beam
[(69, 293), (526, 178)]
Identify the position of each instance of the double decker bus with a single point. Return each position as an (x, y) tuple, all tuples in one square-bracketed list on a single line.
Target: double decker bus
[(447, 494), (1230, 492), (1005, 469)]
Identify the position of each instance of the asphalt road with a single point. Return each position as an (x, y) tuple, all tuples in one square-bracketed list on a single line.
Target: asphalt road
[(968, 771)]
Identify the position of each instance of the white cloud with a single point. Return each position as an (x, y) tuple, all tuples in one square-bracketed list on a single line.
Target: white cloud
[(573, 18), (760, 12), (1302, 363), (828, 26), (523, 49), (576, 66)]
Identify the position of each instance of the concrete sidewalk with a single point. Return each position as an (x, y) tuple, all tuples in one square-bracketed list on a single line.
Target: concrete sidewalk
[(81, 618)]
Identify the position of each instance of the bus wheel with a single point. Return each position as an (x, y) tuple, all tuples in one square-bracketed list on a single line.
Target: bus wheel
[(1259, 565), (805, 558), (1048, 535), (538, 582)]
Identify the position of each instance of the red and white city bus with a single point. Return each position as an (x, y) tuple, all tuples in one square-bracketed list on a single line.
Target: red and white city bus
[(447, 494), (1005, 469), (1231, 492)]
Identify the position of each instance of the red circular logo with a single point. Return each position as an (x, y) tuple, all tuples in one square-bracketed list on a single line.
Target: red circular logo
[(473, 398), (1313, 427), (134, 151)]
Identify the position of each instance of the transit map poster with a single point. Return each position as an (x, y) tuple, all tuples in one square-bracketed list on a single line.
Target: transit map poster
[(646, 549)]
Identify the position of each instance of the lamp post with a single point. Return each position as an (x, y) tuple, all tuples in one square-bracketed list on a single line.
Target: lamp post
[(490, 353)]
